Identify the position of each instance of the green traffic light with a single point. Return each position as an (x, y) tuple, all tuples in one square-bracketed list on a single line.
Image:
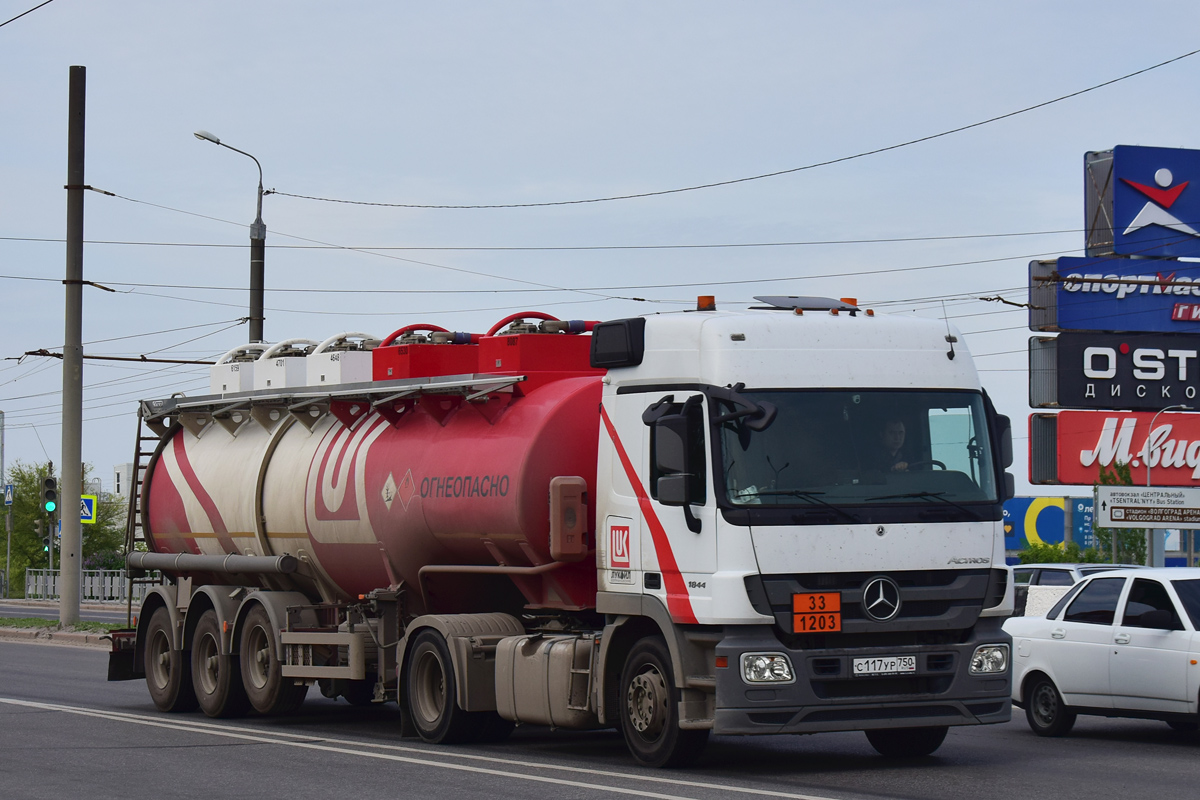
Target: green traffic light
[(51, 505)]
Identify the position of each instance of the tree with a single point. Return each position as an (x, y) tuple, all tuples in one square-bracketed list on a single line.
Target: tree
[(1130, 542), (1065, 553), (103, 542)]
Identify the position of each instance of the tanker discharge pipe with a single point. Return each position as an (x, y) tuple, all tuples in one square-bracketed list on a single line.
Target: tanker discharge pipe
[(191, 562)]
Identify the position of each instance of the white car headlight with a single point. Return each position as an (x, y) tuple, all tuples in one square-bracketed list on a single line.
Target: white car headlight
[(766, 668), (989, 659)]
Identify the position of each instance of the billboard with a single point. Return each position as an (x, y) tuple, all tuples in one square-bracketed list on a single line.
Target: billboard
[(1087, 440), (1155, 207), (1138, 372), (1036, 520), (1119, 294)]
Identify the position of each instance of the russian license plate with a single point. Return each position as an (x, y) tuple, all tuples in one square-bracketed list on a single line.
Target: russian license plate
[(884, 665), (816, 612)]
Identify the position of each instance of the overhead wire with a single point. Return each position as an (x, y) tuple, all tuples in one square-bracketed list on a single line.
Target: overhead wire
[(776, 173)]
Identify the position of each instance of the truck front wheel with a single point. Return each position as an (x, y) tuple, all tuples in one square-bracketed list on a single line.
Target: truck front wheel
[(168, 676), (269, 692), (649, 709)]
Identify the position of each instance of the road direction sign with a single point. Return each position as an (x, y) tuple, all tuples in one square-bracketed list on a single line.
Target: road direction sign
[(1147, 507), (87, 509), (8, 494)]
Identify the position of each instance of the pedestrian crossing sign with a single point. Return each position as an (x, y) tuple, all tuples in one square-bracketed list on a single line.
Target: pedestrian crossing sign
[(87, 509)]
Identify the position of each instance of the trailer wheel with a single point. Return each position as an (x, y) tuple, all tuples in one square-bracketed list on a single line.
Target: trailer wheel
[(906, 742), (269, 692), (216, 678), (167, 670), (431, 692), (649, 709)]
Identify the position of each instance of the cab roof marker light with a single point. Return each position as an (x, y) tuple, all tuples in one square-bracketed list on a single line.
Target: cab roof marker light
[(833, 312), (706, 302), (799, 312), (870, 312)]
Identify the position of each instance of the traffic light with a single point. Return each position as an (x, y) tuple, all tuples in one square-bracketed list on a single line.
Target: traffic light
[(38, 526), (50, 494)]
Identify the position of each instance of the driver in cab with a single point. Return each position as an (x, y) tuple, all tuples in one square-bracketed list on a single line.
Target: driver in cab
[(890, 456)]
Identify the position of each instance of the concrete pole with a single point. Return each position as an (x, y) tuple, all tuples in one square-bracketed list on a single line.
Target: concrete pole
[(70, 557)]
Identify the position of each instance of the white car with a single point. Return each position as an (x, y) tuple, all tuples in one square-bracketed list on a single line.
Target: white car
[(1118, 644)]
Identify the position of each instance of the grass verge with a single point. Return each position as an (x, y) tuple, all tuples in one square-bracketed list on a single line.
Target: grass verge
[(36, 622)]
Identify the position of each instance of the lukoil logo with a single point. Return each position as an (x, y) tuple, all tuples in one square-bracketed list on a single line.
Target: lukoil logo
[(618, 546)]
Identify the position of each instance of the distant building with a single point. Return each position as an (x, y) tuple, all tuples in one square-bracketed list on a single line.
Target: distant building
[(122, 478)]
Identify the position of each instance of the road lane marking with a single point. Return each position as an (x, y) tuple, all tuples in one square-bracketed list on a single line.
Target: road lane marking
[(344, 746)]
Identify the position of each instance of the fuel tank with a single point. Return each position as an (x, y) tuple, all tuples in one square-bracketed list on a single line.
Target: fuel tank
[(439, 482)]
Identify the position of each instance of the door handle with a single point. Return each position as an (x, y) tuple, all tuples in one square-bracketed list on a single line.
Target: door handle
[(1121, 638), (1058, 633)]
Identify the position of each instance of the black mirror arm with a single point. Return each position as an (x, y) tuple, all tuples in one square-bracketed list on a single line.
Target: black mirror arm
[(693, 522)]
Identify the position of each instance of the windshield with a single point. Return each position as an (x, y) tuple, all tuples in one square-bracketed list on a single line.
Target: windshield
[(860, 448)]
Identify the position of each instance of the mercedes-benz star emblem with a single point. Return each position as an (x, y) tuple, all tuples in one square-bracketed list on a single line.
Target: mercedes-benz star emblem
[(881, 599)]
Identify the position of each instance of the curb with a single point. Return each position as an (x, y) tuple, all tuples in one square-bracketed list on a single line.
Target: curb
[(61, 638)]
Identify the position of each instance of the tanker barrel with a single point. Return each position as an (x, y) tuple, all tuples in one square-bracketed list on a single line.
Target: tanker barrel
[(191, 562)]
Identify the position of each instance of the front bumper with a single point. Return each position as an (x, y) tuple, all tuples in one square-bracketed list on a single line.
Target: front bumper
[(826, 696)]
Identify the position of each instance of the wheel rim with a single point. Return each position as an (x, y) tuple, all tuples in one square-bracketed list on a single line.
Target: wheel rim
[(429, 695), (160, 659), (208, 659), (646, 702), (1045, 704), (258, 648)]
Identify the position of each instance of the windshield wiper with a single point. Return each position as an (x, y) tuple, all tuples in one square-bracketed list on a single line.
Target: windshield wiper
[(927, 496), (812, 497)]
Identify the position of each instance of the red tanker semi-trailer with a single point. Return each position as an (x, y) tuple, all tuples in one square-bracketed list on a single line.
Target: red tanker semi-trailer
[(572, 542)]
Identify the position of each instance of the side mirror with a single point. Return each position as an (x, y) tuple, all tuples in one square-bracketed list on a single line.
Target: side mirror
[(1010, 486), (1006, 446), (675, 490), (671, 444)]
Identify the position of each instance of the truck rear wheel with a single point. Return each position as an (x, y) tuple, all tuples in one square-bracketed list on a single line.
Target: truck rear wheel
[(269, 692), (907, 742), (432, 690), (216, 678), (649, 709), (168, 673)]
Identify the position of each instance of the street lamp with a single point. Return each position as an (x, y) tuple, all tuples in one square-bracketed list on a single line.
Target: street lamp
[(258, 246), (1151, 538), (1150, 436)]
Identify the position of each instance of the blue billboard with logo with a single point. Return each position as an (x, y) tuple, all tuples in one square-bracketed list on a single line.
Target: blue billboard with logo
[(1035, 520), (1156, 201), (1111, 293)]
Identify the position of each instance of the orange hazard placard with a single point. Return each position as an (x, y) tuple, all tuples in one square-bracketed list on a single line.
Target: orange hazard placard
[(817, 612)]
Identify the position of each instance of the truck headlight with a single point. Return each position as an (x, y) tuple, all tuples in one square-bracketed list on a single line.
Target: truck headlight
[(989, 659), (766, 668)]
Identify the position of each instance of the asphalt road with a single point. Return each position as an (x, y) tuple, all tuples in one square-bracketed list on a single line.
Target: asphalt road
[(66, 732)]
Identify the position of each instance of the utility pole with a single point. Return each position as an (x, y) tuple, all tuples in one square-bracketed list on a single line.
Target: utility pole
[(70, 557)]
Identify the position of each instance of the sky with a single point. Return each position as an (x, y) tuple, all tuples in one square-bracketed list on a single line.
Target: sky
[(483, 103)]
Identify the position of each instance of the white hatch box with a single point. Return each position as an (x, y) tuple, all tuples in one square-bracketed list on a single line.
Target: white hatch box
[(282, 365), (234, 371), (344, 358)]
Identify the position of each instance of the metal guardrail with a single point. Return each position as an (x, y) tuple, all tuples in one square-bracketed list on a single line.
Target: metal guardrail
[(96, 586)]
